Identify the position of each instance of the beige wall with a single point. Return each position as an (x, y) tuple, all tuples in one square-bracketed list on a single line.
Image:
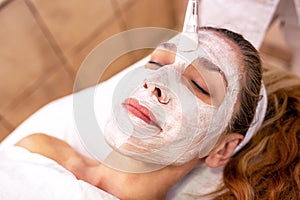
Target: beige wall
[(44, 42)]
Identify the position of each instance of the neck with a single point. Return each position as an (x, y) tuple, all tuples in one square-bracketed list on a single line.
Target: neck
[(123, 163), (150, 185)]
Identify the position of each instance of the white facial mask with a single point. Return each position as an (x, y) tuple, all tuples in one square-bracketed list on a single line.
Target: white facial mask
[(181, 119), (190, 128)]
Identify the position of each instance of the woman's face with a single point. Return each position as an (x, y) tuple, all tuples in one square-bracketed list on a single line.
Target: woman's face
[(167, 118)]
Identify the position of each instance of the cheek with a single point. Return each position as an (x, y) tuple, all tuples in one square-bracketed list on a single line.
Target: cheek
[(173, 124), (174, 108)]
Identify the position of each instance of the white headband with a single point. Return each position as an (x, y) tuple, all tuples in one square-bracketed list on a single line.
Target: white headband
[(258, 118)]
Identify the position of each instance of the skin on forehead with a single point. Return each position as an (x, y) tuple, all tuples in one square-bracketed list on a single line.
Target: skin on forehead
[(223, 52), (209, 70)]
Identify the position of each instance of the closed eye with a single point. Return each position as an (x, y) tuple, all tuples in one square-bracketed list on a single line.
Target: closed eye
[(156, 63), (200, 88)]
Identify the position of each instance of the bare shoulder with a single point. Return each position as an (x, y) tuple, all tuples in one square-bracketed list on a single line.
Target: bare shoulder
[(41, 143), (61, 152)]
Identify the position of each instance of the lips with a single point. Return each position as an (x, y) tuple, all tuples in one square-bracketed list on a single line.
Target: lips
[(133, 106)]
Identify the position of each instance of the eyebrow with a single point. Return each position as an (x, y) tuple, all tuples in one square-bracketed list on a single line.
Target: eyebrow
[(168, 46), (208, 65)]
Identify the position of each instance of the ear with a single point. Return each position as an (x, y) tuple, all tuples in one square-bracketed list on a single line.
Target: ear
[(224, 149)]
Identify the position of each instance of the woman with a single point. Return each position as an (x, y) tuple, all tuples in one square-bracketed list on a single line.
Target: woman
[(236, 70), (195, 100)]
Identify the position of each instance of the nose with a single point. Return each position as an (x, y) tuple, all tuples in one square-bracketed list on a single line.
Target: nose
[(161, 96)]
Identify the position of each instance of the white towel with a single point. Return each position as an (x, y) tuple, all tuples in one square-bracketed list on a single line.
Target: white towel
[(25, 175)]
